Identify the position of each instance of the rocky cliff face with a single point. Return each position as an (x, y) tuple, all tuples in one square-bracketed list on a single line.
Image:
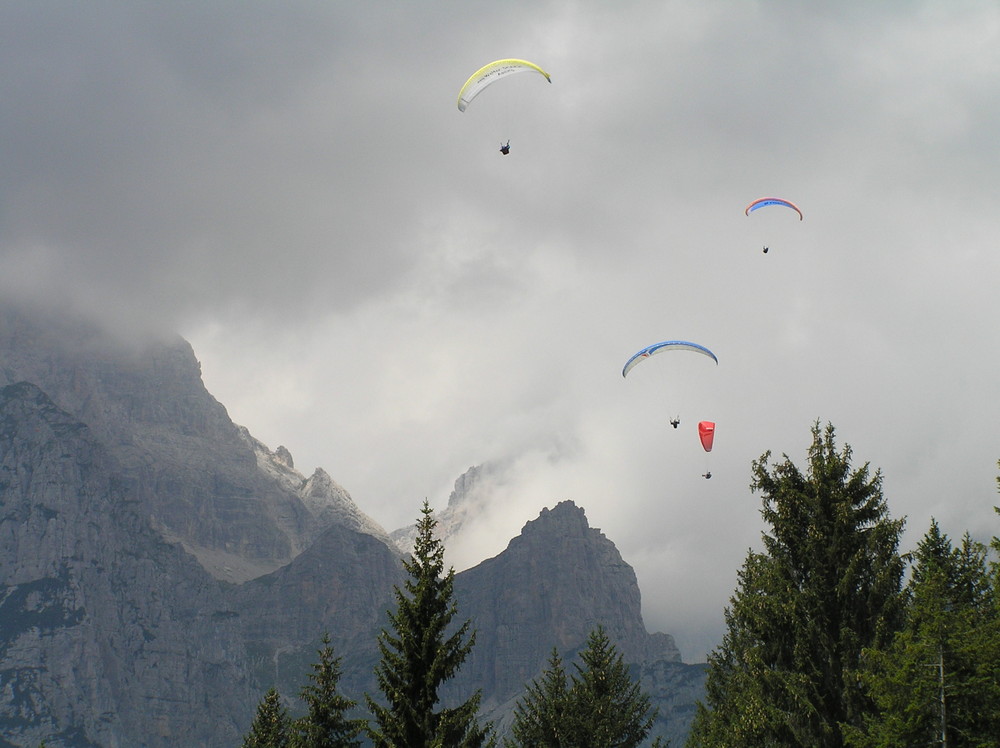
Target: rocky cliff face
[(108, 635), (554, 584), (342, 585), (581, 581), (240, 509), (160, 568)]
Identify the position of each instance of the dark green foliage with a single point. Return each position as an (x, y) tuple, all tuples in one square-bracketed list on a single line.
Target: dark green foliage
[(996, 549), (326, 725), (271, 727), (420, 654), (540, 715), (827, 586), (602, 708), (938, 682), (609, 707)]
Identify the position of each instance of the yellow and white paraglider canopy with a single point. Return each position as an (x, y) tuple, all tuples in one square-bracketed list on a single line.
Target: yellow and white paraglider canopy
[(489, 74)]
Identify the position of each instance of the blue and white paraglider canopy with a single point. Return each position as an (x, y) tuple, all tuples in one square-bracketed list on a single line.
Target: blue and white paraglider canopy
[(666, 345)]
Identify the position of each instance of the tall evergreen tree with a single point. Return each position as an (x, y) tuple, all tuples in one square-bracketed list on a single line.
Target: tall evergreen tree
[(422, 652), (827, 585), (995, 544), (326, 725), (603, 707), (608, 707), (540, 715), (938, 682), (272, 727)]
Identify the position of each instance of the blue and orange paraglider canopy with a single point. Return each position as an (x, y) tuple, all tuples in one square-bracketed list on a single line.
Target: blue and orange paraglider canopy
[(763, 202)]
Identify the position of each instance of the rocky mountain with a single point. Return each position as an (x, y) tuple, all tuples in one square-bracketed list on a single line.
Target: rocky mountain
[(467, 500), (109, 636), (203, 481), (160, 568), (556, 582)]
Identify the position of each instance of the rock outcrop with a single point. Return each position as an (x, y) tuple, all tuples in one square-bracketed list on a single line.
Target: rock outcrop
[(554, 584)]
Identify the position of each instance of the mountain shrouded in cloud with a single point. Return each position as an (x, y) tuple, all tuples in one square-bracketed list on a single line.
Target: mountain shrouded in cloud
[(162, 567), (369, 282)]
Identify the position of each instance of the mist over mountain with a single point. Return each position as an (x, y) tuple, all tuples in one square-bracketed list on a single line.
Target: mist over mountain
[(465, 503), (160, 568), (205, 482)]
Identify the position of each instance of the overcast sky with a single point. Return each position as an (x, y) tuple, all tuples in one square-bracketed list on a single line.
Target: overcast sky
[(369, 282)]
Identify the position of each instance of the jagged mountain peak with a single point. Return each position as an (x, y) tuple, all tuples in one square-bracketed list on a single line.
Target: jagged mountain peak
[(283, 456), (559, 557), (326, 501), (331, 504), (554, 584), (565, 514), (467, 500)]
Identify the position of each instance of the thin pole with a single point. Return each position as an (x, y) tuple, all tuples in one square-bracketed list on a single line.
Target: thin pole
[(944, 706)]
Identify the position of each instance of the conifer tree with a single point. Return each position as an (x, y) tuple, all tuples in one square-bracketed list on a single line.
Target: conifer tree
[(608, 707), (540, 715), (938, 682), (326, 725), (602, 707), (995, 545), (422, 651), (272, 727), (827, 585)]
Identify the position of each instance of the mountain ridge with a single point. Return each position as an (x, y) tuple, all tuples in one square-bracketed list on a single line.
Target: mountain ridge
[(149, 594), (147, 404)]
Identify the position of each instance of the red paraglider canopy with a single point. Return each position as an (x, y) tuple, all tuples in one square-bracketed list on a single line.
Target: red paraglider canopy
[(706, 431)]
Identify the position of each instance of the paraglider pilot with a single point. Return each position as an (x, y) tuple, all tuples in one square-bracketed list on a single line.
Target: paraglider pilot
[(675, 422), (707, 475), (765, 250), (505, 148)]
